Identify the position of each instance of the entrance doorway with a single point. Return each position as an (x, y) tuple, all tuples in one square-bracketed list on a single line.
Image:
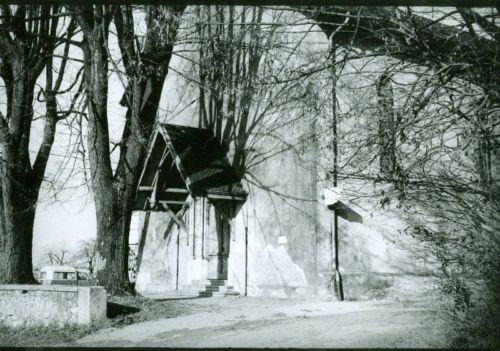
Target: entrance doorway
[(218, 257)]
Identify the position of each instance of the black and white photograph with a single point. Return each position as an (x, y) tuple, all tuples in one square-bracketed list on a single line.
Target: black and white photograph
[(229, 174)]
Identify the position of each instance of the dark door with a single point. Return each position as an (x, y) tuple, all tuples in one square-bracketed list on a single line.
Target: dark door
[(223, 236), (218, 260)]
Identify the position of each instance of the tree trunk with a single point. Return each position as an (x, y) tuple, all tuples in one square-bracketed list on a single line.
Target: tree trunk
[(114, 194), (18, 198), (22, 60), (19, 188), (113, 219), (17, 211), (111, 265)]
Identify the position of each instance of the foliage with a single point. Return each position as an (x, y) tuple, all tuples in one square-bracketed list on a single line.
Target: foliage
[(446, 183)]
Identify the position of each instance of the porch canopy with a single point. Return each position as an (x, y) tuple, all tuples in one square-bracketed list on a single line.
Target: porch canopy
[(185, 161)]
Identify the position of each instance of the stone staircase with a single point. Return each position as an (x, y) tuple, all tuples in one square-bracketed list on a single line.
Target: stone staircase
[(209, 288)]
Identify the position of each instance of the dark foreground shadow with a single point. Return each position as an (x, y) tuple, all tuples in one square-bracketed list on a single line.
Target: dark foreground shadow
[(115, 310)]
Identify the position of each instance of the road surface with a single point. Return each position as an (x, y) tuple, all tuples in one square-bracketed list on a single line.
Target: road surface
[(266, 322)]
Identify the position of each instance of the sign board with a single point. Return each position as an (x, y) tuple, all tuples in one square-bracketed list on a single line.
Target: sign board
[(333, 197)]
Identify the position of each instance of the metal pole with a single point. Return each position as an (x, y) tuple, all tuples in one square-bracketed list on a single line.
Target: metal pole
[(193, 213), (246, 259), (338, 277), (177, 268), (203, 228)]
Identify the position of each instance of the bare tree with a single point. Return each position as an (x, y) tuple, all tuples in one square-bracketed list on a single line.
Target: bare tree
[(28, 37), (243, 93), (59, 257), (146, 67), (410, 36), (440, 129), (86, 254)]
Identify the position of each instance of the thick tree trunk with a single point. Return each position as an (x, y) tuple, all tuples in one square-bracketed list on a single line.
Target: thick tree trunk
[(111, 265), (19, 188), (114, 193), (112, 215), (18, 197), (22, 60), (17, 212), (16, 242)]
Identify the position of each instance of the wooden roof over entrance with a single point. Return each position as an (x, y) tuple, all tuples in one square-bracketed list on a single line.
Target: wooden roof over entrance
[(185, 161)]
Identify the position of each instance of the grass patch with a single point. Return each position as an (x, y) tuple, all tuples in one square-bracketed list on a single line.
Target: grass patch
[(43, 336)]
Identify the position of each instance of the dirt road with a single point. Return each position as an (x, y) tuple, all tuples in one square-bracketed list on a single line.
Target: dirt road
[(265, 322)]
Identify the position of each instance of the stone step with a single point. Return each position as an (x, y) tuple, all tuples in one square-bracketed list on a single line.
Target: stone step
[(209, 288), (218, 288), (217, 282), (217, 293), (212, 294)]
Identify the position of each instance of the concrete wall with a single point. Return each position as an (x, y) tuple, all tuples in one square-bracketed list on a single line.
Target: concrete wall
[(35, 305)]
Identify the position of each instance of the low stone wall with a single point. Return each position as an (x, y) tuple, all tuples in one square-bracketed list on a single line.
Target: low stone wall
[(36, 305)]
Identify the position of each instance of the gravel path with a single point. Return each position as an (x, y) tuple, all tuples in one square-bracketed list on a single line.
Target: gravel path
[(266, 322)]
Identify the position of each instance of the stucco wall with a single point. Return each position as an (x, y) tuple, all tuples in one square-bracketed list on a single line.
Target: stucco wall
[(290, 249), (289, 228), (158, 268), (35, 305)]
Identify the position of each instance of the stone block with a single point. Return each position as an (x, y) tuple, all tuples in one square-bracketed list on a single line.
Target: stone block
[(58, 305), (91, 304)]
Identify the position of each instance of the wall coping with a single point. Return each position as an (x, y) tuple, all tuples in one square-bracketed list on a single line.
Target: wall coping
[(35, 287)]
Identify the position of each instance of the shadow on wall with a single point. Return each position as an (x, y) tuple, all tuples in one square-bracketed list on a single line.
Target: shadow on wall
[(374, 266), (275, 274), (156, 271)]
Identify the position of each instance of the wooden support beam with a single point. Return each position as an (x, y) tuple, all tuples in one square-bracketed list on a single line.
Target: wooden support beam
[(168, 190), (225, 197), (167, 202), (178, 218), (154, 194)]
